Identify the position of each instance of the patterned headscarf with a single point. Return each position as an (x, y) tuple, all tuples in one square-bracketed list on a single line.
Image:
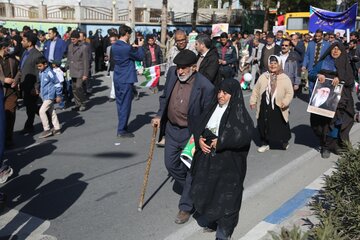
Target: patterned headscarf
[(272, 77)]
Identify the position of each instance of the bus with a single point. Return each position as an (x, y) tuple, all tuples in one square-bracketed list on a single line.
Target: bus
[(297, 22)]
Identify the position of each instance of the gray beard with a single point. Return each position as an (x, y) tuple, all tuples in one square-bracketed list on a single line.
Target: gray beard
[(186, 77)]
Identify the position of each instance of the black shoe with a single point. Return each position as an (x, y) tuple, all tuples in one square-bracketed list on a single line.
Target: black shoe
[(27, 130), (126, 135), (75, 109), (111, 99)]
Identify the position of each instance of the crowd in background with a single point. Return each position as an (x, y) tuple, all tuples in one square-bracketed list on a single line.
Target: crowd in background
[(50, 71)]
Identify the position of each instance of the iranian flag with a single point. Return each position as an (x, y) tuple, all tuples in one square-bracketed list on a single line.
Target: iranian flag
[(152, 76)]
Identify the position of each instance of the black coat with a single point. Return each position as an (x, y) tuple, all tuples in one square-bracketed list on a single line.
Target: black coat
[(147, 58), (28, 75), (200, 98), (209, 66)]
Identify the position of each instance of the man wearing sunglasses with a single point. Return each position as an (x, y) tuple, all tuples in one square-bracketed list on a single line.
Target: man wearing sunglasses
[(290, 64)]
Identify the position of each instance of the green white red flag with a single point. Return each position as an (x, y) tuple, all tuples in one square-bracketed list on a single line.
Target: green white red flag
[(152, 76)]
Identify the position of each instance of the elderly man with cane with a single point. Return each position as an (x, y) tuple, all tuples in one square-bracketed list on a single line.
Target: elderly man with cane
[(186, 94)]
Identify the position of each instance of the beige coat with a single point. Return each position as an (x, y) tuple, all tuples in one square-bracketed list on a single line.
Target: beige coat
[(284, 93)]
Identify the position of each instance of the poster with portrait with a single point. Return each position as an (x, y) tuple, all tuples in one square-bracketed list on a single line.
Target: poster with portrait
[(325, 98), (219, 28)]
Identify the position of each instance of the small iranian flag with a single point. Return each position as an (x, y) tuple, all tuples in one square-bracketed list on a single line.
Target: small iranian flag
[(243, 84), (152, 76)]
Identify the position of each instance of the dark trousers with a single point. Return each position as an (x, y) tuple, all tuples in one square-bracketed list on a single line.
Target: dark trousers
[(226, 72), (78, 92), (176, 139), (2, 125), (10, 104), (124, 95), (30, 102)]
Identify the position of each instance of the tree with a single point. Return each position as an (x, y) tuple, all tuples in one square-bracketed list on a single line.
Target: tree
[(194, 14), (164, 19)]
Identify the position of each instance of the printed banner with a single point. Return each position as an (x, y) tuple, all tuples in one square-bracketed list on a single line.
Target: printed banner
[(329, 21)]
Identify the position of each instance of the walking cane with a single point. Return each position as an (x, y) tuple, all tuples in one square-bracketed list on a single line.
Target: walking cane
[(147, 169)]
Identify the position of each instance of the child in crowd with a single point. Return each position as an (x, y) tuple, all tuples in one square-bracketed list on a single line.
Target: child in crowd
[(50, 90), (60, 75)]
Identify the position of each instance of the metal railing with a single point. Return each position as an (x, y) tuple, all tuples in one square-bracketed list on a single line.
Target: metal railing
[(105, 14)]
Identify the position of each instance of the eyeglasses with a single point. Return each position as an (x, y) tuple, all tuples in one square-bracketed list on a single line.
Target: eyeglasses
[(283, 45), (331, 37)]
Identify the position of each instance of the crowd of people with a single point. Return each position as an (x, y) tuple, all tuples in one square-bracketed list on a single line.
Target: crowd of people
[(202, 97)]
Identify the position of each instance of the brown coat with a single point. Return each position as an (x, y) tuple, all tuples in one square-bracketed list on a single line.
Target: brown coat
[(78, 60), (284, 95), (14, 66)]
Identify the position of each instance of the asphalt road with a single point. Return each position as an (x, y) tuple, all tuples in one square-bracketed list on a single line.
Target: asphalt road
[(85, 183)]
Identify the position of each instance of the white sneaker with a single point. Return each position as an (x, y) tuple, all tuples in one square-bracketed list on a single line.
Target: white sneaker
[(263, 148), (5, 174)]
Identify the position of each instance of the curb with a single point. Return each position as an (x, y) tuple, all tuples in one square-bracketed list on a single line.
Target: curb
[(287, 209)]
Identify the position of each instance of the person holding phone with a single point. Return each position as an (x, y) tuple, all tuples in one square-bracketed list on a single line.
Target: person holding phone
[(125, 76)]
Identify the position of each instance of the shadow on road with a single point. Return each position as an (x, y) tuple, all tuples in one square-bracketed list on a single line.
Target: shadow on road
[(70, 119), (96, 101), (156, 191), (21, 157), (304, 135), (48, 202), (140, 121)]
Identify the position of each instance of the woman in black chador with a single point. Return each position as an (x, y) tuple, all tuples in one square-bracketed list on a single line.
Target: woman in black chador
[(334, 132), (222, 140)]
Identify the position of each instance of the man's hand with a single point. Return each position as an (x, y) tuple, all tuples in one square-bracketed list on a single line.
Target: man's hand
[(296, 87), (204, 147), (303, 69), (336, 81), (321, 78), (9, 80), (155, 122), (252, 106), (84, 78), (58, 99)]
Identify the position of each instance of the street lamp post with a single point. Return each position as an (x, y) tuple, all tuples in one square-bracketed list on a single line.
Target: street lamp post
[(131, 18), (78, 15), (42, 10), (114, 11)]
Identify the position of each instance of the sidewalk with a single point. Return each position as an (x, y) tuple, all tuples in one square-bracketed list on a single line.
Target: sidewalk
[(295, 211)]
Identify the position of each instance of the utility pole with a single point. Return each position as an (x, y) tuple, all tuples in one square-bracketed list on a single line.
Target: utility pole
[(164, 18), (131, 18), (193, 15), (266, 17)]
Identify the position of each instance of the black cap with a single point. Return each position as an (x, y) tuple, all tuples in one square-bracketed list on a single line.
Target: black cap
[(56, 62), (75, 34), (185, 58), (270, 35)]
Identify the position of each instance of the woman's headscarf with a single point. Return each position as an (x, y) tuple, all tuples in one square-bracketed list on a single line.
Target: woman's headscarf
[(272, 77), (342, 64), (278, 60), (231, 86), (236, 124)]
